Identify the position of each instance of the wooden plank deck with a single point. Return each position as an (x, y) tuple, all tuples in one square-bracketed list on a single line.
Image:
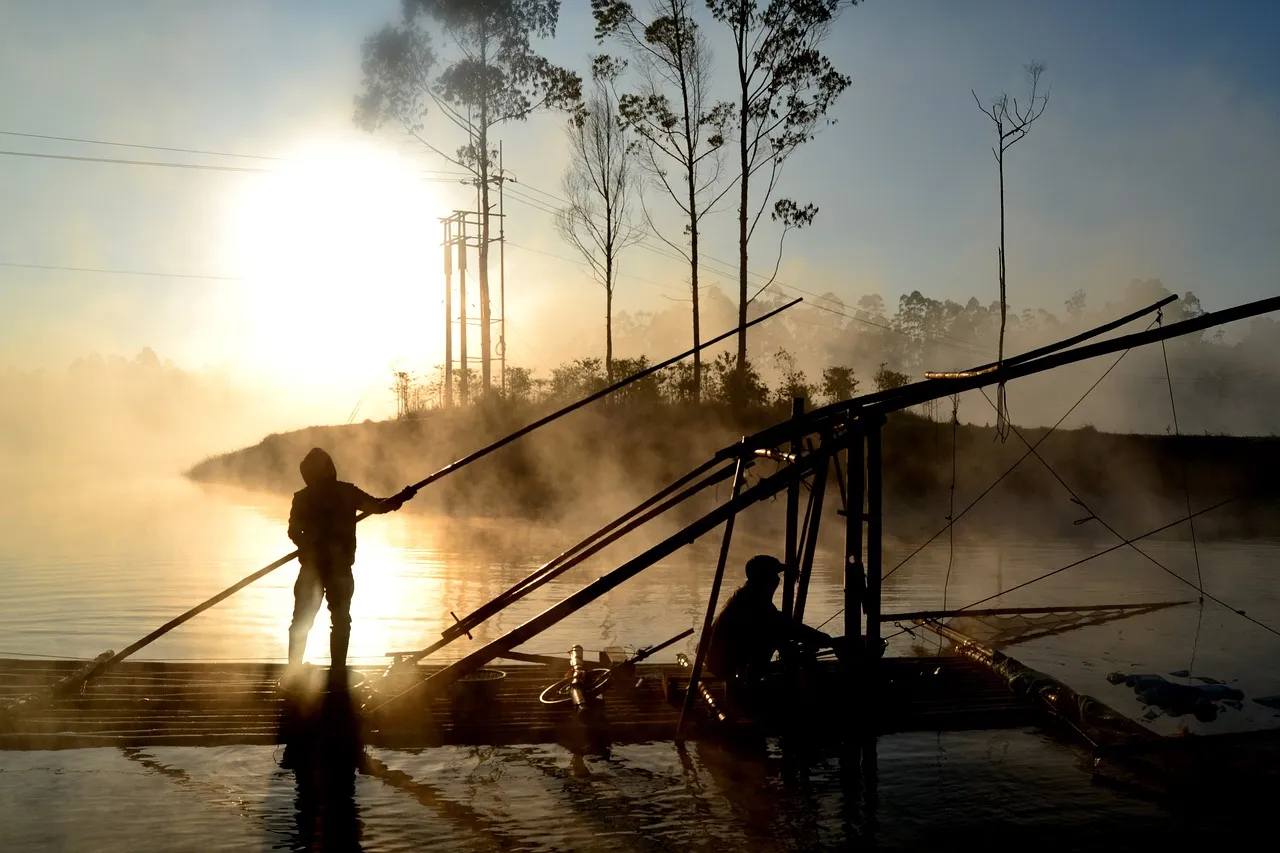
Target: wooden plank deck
[(145, 703)]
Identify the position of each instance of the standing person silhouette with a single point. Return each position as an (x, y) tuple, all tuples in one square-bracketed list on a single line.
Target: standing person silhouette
[(322, 523)]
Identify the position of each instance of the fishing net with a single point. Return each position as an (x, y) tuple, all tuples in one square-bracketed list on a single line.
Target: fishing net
[(1007, 628)]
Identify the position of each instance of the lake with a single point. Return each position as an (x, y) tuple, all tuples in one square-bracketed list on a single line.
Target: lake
[(99, 565)]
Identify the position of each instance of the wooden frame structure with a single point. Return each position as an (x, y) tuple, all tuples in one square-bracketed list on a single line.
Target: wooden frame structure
[(845, 437)]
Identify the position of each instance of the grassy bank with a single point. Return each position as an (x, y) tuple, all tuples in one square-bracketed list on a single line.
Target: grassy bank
[(598, 461)]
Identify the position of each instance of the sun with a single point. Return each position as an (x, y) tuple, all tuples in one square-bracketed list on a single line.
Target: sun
[(340, 249)]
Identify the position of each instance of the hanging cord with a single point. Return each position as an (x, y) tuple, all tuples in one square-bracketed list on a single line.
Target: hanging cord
[(1128, 542), (1011, 468), (1186, 491), (951, 506), (1080, 562), (955, 518)]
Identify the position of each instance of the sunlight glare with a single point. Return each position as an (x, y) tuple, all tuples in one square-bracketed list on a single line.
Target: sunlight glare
[(340, 248)]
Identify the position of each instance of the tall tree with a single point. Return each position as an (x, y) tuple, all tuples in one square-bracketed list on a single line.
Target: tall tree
[(600, 186), (785, 87), (1012, 121), (493, 75), (675, 119)]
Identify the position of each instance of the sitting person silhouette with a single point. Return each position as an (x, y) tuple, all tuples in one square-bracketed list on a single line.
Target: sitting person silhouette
[(749, 629), (322, 523)]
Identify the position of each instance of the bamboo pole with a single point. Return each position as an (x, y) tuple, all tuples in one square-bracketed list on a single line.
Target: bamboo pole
[(854, 516), (484, 612), (1060, 345), (704, 640), (875, 534), (765, 488), (906, 396), (539, 576), (790, 561)]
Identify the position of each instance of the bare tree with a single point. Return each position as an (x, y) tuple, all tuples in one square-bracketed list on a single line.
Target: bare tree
[(1012, 121), (495, 76), (600, 186), (785, 88), (675, 119)]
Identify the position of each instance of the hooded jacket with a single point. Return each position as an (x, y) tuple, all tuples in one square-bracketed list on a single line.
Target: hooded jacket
[(322, 521)]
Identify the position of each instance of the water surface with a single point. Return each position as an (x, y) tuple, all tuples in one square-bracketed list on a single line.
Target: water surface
[(100, 566)]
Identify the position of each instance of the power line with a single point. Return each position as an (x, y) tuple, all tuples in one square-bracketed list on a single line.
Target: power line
[(102, 271), (726, 268), (136, 145), (586, 265), (208, 166)]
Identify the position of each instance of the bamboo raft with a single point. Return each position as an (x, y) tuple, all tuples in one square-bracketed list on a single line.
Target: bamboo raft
[(152, 703)]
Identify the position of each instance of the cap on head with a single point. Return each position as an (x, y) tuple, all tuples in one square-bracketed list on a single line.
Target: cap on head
[(764, 567), (317, 467)]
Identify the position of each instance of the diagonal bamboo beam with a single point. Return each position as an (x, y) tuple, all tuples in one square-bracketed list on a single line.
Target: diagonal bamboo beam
[(763, 489)]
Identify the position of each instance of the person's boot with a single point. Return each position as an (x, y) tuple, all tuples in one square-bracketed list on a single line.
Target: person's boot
[(294, 671), (338, 642)]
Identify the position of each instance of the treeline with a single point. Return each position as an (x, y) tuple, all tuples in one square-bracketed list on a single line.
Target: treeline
[(722, 384), (826, 350)]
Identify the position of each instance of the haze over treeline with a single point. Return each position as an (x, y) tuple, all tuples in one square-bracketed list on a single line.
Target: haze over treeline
[(145, 413), (1222, 379)]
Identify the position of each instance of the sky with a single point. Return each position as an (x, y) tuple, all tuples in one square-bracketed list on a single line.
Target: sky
[(317, 267)]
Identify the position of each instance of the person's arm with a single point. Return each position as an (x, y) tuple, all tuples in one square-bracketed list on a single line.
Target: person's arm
[(368, 503)]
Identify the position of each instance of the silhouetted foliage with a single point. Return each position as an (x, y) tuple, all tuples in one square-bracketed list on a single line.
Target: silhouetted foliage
[(785, 86), (887, 379), (737, 386), (600, 185), (838, 384), (494, 76), (675, 120)]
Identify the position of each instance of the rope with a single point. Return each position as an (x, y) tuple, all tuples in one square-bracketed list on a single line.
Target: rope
[(1127, 542), (1011, 468), (1186, 491), (1104, 552), (1083, 560)]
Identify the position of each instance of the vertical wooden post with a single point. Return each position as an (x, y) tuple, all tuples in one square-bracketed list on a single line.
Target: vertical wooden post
[(791, 559), (854, 514), (875, 528), (704, 640), (448, 313), (814, 519)]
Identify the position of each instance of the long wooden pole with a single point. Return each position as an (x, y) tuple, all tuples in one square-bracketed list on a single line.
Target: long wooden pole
[(906, 396), (854, 573), (591, 398), (791, 559), (1063, 344), (438, 475), (704, 640), (536, 578), (592, 548), (875, 535), (765, 488)]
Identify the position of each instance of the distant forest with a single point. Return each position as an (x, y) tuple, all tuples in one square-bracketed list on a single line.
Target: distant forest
[(826, 350)]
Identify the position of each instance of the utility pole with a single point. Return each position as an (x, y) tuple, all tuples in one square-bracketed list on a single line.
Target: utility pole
[(463, 385), (487, 321), (447, 224), (502, 273)]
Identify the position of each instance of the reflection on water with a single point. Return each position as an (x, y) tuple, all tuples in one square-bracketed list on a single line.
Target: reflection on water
[(917, 792), (105, 564)]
